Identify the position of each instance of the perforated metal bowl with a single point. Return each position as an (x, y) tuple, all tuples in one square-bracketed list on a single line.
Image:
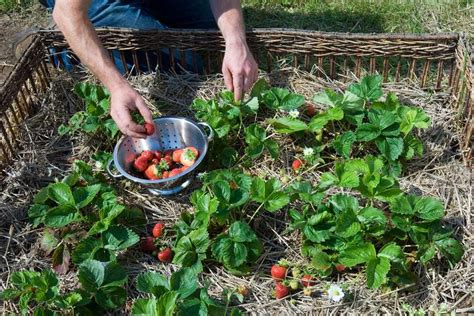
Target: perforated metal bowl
[(170, 133)]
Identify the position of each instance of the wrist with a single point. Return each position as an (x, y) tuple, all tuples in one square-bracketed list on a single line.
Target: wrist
[(235, 40)]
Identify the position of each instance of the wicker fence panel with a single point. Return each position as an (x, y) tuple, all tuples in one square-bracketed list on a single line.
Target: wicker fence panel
[(395, 56), (19, 94)]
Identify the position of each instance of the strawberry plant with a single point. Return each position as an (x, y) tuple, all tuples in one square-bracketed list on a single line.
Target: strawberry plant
[(237, 248), (83, 219), (96, 117), (179, 294), (40, 289)]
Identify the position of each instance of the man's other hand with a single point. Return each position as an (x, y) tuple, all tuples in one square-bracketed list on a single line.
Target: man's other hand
[(124, 101), (239, 68)]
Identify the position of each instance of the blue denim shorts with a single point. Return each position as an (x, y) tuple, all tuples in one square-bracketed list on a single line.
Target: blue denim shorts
[(146, 15)]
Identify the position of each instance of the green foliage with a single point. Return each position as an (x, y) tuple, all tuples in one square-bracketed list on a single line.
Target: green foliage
[(41, 289), (237, 248), (179, 294), (96, 117)]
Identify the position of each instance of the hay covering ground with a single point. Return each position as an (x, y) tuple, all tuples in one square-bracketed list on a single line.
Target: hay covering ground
[(440, 173)]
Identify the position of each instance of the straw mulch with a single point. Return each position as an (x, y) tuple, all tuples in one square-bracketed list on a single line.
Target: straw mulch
[(440, 173)]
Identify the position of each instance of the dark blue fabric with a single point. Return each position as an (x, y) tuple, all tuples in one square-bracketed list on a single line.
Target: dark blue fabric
[(147, 15)]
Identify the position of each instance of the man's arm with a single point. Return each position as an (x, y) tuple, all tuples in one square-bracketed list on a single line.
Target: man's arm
[(71, 18), (239, 67)]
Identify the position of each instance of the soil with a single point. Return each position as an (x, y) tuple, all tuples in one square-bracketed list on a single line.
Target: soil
[(12, 24)]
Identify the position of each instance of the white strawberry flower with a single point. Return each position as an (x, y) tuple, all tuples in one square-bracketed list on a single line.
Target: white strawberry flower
[(308, 151), (335, 293), (294, 113)]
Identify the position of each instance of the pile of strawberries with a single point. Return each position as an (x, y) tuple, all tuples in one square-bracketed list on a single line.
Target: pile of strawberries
[(155, 165), (149, 244)]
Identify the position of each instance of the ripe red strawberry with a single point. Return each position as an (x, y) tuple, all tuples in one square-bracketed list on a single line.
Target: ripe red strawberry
[(281, 290), (296, 165), (148, 154), (174, 172), (165, 255), (168, 153), (140, 164), (150, 128), (153, 172), (310, 109), (148, 245), (340, 267), (155, 161), (166, 174), (158, 230), (183, 168), (278, 272), (158, 155), (177, 155), (188, 157), (307, 280)]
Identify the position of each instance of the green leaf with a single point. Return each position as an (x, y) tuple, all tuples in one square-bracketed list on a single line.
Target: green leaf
[(321, 261), (344, 203), (84, 195), (368, 89), (111, 297), (291, 101), (429, 209), (42, 196), (347, 224), (288, 125), (320, 120), (119, 238), (114, 275), (60, 193), (85, 249), (61, 216), (184, 282), (451, 249), (404, 204), (359, 254), (426, 253), (241, 232), (377, 270), (222, 190), (343, 143), (390, 147), (412, 117), (392, 252), (49, 241), (373, 220), (367, 132), (148, 281), (269, 193), (91, 275), (228, 157), (259, 87), (166, 304), (145, 307), (239, 255)]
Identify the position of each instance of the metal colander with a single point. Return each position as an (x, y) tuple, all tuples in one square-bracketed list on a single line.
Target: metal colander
[(170, 133)]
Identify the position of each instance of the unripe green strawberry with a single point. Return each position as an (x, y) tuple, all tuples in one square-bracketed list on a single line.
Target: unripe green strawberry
[(294, 285), (296, 272)]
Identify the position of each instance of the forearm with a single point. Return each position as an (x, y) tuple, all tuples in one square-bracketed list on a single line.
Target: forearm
[(71, 18), (229, 18)]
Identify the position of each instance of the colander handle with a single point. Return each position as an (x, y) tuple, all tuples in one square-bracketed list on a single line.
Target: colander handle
[(109, 165), (210, 136)]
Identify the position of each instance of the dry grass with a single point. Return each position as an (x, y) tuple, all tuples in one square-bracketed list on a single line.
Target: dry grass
[(440, 173)]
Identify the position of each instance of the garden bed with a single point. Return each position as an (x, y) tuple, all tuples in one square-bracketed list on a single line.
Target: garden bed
[(438, 173)]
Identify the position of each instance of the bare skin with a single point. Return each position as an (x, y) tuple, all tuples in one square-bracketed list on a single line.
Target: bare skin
[(239, 67)]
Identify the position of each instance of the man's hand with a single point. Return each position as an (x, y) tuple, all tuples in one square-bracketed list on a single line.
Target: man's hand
[(123, 101), (239, 68)]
